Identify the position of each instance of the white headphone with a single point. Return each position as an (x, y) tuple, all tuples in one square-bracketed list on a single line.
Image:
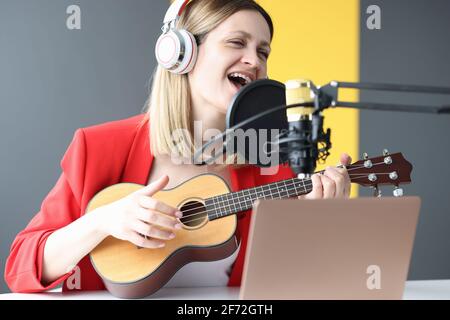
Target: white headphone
[(176, 49)]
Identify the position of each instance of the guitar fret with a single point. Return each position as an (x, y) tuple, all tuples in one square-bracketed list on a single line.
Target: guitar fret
[(210, 212), (222, 204), (241, 200), (304, 185), (242, 206), (248, 199), (218, 207), (282, 190), (300, 184), (236, 202), (289, 188), (227, 203), (267, 193), (254, 195), (260, 192), (263, 193), (286, 189), (233, 202), (295, 186), (275, 191), (278, 191), (282, 187)]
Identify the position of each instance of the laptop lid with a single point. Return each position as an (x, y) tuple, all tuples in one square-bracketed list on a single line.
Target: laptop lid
[(330, 249)]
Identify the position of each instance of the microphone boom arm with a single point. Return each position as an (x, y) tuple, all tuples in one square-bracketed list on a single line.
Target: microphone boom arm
[(329, 97)]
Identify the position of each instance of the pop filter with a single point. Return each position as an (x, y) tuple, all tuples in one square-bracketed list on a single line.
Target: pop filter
[(252, 141)]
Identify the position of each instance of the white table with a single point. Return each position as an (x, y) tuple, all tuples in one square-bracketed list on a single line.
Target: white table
[(414, 290)]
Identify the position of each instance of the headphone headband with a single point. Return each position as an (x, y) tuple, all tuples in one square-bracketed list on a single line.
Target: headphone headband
[(176, 49), (175, 10)]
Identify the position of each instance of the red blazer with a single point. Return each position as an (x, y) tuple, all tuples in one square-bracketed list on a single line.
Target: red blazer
[(100, 156)]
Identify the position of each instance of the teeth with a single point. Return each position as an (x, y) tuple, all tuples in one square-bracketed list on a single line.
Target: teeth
[(237, 74)]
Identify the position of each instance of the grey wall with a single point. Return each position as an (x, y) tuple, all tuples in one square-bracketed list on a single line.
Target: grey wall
[(413, 47), (53, 81)]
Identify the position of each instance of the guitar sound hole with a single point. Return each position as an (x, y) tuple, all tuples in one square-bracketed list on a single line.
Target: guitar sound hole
[(194, 213)]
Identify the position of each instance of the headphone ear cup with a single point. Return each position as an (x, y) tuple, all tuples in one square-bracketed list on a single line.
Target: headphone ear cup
[(167, 50), (189, 58)]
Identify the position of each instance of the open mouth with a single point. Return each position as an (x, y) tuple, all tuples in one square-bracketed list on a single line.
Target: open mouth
[(238, 80)]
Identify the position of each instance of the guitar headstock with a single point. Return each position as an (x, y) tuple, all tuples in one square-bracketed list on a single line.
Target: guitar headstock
[(388, 169)]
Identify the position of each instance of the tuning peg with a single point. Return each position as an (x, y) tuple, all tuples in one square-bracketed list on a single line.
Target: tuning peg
[(365, 156), (385, 152), (393, 175), (398, 192), (376, 191)]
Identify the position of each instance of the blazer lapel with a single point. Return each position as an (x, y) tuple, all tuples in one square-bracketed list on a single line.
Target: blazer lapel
[(140, 158)]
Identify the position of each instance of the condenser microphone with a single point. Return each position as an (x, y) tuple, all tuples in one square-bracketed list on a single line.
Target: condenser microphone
[(302, 151), (257, 99), (260, 107)]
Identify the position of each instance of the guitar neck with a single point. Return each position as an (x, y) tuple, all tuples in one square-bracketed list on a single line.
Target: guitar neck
[(389, 169), (234, 202)]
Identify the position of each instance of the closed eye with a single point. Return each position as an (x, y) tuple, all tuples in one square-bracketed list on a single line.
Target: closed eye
[(240, 43), (264, 54), (237, 42)]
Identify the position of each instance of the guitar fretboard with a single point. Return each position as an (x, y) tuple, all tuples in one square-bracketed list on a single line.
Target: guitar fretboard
[(234, 202)]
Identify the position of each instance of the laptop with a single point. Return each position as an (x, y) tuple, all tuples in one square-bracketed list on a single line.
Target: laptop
[(329, 249)]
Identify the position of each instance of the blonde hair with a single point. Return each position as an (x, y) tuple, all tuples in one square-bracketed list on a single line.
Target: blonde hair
[(169, 103)]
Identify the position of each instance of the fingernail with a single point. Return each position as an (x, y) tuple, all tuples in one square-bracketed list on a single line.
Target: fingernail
[(179, 214), (178, 226), (162, 245), (171, 236)]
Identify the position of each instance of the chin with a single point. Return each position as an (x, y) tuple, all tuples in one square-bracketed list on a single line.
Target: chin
[(222, 107), (223, 110), (226, 106)]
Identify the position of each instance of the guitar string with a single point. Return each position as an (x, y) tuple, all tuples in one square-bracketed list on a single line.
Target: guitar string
[(226, 207), (222, 207), (238, 205), (352, 167), (291, 183)]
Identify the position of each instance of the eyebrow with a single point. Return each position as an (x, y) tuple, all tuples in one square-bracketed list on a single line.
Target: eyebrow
[(249, 36)]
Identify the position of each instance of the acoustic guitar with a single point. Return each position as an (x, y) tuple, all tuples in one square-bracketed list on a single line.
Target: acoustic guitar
[(209, 221)]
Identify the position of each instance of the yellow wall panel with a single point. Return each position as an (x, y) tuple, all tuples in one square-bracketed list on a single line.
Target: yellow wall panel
[(319, 40)]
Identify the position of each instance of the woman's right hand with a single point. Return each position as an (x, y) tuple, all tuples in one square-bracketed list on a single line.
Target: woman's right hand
[(141, 219)]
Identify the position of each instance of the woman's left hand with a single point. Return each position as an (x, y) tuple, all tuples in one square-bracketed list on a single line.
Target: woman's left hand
[(333, 183)]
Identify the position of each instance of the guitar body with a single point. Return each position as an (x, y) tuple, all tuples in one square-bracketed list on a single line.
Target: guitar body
[(132, 272)]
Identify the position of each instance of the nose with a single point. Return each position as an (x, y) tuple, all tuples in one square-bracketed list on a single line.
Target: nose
[(251, 58)]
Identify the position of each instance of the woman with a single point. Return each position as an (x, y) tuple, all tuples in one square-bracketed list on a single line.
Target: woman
[(233, 39)]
